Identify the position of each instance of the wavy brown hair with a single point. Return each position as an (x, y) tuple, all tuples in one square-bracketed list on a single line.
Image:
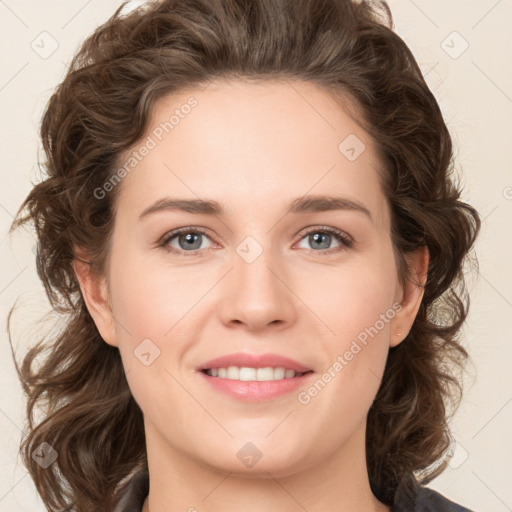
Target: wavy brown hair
[(101, 109)]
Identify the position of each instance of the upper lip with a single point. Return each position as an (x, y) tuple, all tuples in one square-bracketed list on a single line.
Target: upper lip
[(242, 359)]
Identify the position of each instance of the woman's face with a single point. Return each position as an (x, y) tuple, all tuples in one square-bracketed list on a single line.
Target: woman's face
[(267, 275)]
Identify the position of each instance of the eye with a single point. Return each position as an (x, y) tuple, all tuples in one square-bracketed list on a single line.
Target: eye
[(189, 241), (321, 238)]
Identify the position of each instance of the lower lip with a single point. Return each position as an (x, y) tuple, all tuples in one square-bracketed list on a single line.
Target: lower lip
[(256, 391)]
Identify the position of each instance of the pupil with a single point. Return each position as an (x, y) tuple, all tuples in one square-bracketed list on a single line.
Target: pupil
[(189, 237), (316, 236)]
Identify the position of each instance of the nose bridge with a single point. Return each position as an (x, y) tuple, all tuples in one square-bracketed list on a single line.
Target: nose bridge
[(253, 263), (258, 295)]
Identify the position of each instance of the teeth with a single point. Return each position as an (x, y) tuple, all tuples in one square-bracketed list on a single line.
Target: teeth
[(253, 374)]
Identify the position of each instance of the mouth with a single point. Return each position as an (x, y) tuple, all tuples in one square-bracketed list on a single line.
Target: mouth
[(256, 385), (254, 377), (250, 374)]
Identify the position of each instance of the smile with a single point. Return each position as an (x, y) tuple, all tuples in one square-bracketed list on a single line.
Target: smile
[(247, 374)]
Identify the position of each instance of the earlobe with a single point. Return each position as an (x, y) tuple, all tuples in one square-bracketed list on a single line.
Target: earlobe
[(411, 295), (94, 290)]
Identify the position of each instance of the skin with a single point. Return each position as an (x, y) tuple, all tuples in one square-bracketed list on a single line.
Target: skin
[(254, 148)]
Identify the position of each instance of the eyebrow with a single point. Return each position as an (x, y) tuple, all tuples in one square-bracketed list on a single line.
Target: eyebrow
[(305, 204)]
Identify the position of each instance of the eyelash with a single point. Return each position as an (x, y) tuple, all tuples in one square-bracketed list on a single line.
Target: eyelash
[(346, 241)]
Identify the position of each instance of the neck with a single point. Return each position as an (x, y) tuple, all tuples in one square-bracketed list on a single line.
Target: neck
[(339, 482)]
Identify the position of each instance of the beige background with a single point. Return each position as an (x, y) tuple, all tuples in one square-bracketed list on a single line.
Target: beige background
[(474, 88)]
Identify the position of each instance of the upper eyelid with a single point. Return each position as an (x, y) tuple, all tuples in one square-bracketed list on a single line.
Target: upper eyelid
[(178, 231)]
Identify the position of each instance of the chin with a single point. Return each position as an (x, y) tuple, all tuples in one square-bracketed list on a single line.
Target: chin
[(254, 458)]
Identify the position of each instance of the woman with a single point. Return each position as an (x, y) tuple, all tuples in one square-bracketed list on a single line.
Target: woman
[(213, 357)]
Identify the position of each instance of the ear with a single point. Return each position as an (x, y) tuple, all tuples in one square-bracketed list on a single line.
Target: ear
[(410, 295), (94, 288)]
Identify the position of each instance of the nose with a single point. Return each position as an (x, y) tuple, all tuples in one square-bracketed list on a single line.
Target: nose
[(258, 293)]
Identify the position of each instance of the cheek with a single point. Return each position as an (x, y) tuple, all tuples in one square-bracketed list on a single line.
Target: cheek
[(358, 310), (366, 302), (352, 296), (149, 301), (153, 304)]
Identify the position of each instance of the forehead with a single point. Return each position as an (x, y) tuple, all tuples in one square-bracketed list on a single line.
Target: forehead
[(247, 144)]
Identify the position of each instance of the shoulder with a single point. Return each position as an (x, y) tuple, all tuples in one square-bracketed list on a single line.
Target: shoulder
[(429, 500), (414, 497), (133, 493)]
